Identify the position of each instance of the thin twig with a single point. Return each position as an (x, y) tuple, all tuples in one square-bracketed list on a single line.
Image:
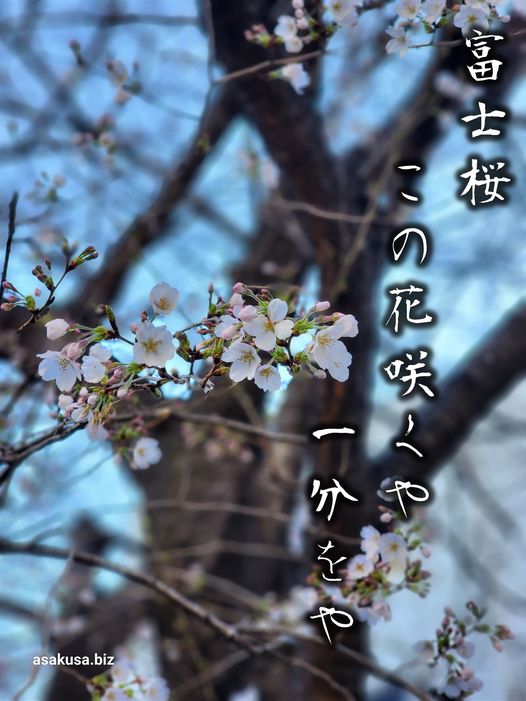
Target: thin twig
[(269, 64), (11, 227), (225, 630)]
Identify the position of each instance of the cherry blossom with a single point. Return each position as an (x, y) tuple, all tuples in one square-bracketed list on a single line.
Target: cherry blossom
[(59, 367), (408, 9), (269, 327), (146, 452), (154, 346), (245, 361), (360, 566), (64, 400), (228, 327), (400, 42), (370, 541), (432, 10), (343, 10), (296, 75), (330, 353), (456, 686), (93, 367), (346, 325), (56, 328), (267, 378), (163, 298), (122, 671), (393, 550), (469, 17), (286, 27)]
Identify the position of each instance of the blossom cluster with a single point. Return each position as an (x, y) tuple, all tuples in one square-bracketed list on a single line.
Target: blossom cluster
[(450, 647), (432, 14), (385, 566), (300, 29), (122, 683), (297, 30), (249, 337)]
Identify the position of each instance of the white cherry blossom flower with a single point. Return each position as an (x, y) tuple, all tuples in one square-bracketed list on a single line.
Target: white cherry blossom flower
[(269, 327), (64, 400), (101, 352), (163, 298), (56, 328), (57, 366), (408, 9), (286, 27), (391, 547), (296, 75), (456, 686), (154, 346), (122, 671), (156, 690), (432, 10), (393, 550), (93, 367), (341, 9), (146, 452), (293, 44), (346, 325), (330, 353), (267, 378), (228, 327), (469, 17), (400, 42), (370, 542), (360, 566), (245, 361)]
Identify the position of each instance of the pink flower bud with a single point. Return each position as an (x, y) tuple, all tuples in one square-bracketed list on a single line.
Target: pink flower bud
[(248, 313), (387, 517), (297, 4), (74, 350), (7, 285), (134, 327), (37, 292), (83, 392), (322, 306), (235, 300), (239, 288), (229, 333), (122, 392), (93, 399)]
